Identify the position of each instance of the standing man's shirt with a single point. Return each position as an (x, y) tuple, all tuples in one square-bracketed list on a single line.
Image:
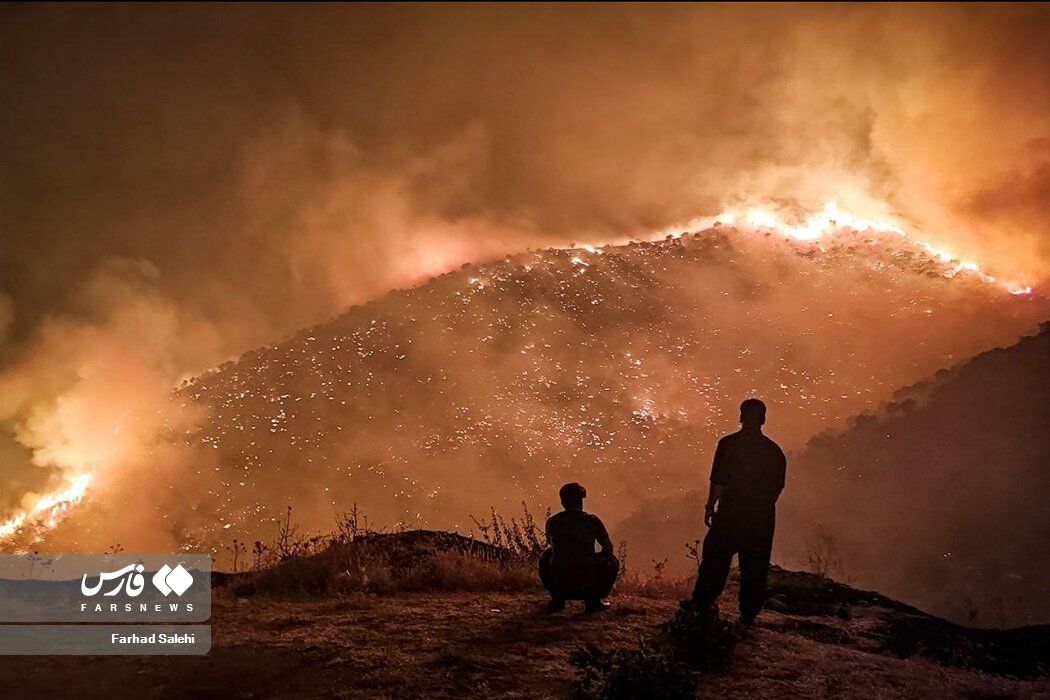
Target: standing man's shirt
[(750, 468)]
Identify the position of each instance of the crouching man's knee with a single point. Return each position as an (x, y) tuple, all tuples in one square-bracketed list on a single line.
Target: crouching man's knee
[(610, 569), (545, 569)]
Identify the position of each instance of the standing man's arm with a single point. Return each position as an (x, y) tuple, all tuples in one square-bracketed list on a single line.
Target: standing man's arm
[(718, 468), (712, 500), (781, 472)]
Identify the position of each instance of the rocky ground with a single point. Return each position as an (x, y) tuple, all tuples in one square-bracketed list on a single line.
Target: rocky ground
[(817, 640)]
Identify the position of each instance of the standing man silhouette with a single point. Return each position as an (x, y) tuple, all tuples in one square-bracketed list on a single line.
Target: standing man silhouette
[(746, 479)]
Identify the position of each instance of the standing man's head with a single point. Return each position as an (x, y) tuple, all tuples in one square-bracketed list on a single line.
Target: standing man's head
[(572, 496), (752, 413)]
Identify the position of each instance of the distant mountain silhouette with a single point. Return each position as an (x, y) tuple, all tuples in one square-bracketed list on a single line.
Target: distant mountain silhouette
[(940, 496)]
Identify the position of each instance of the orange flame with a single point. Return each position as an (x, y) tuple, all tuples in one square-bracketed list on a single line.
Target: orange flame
[(830, 219), (49, 510)]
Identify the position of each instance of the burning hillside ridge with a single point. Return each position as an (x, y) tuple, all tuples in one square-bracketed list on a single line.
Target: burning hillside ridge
[(616, 366)]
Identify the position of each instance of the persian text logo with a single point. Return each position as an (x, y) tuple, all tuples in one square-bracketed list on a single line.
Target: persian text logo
[(129, 578), (167, 580)]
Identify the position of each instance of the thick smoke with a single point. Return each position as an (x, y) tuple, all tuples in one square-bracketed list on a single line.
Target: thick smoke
[(180, 184)]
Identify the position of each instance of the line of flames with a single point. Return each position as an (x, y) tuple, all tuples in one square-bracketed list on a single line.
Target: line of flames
[(832, 218)]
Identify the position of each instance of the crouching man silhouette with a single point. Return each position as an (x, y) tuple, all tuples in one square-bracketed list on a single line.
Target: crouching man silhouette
[(746, 479), (570, 569)]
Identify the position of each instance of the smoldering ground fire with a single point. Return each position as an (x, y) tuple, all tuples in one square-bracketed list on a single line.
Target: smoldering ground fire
[(219, 179)]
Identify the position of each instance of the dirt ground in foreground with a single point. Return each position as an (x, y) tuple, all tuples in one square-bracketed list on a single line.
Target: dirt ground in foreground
[(456, 645)]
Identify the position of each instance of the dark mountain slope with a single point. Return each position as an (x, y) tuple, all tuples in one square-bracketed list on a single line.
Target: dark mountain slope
[(940, 497)]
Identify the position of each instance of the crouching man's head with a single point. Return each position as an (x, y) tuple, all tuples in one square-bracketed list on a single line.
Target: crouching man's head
[(572, 496)]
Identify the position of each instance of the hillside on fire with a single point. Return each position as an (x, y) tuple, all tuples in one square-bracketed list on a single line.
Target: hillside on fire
[(525, 350), (617, 366)]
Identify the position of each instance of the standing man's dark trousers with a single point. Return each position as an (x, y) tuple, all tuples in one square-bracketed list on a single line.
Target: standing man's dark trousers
[(748, 533), (589, 579)]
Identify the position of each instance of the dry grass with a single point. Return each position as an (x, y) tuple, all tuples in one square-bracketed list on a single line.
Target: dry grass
[(360, 558), (386, 566)]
